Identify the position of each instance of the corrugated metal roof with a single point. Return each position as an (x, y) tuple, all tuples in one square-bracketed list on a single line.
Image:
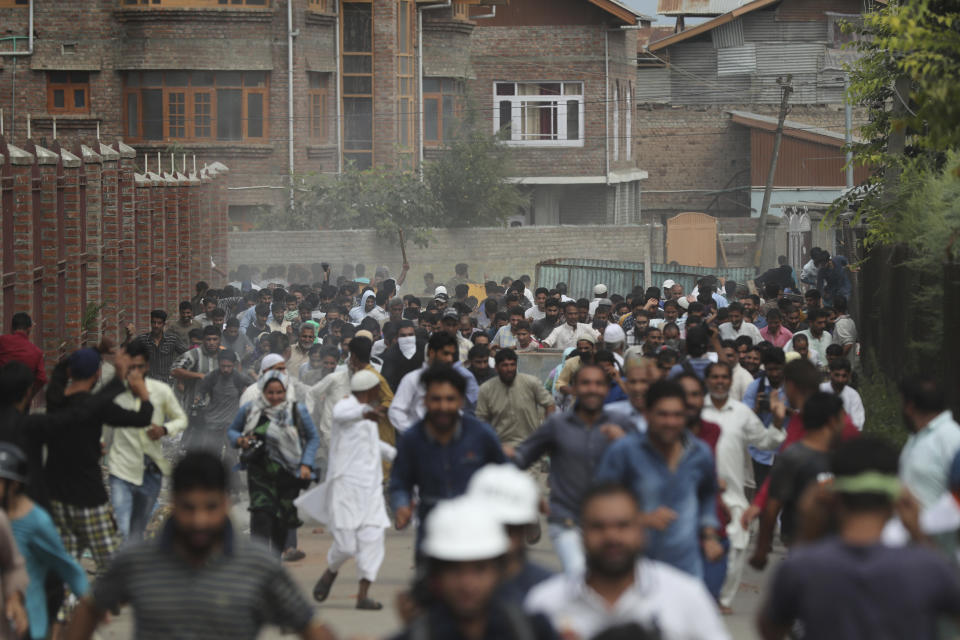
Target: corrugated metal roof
[(621, 276), (653, 85), (737, 61), (789, 57), (728, 35), (763, 26), (697, 7), (694, 78), (710, 25), (790, 127)]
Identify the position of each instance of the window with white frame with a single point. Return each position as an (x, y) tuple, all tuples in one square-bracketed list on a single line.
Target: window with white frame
[(539, 113)]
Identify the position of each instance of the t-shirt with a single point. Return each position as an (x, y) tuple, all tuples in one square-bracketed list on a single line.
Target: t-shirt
[(224, 393), (835, 590), (792, 473)]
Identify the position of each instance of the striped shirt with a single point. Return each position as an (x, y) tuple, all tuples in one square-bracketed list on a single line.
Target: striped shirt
[(162, 355), (232, 595)]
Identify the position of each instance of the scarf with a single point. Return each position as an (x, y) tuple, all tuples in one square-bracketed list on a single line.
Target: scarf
[(282, 438)]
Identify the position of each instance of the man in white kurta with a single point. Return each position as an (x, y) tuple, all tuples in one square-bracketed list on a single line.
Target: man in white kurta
[(739, 428), (350, 501)]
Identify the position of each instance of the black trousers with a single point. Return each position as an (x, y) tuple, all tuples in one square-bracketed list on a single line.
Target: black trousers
[(269, 530)]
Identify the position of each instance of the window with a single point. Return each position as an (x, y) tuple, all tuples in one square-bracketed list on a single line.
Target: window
[(318, 95), (193, 4), (406, 129), (461, 10), (320, 6), (539, 113), (196, 105), (356, 62), (442, 106), (68, 92)]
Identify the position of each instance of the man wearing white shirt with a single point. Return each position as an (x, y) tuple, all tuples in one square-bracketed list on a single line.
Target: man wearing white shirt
[(739, 428), (621, 588), (817, 335), (538, 310), (407, 407), (840, 384), (742, 379), (567, 334), (599, 293), (736, 327)]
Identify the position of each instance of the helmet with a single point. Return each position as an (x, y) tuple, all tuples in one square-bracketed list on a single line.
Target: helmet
[(13, 462), (462, 530), (510, 494)]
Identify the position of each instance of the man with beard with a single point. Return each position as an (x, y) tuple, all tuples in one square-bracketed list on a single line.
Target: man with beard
[(620, 586), (403, 356), (683, 519), (223, 387), (190, 369), (408, 406), (739, 428), (439, 453), (575, 441), (639, 374), (796, 468), (551, 320), (513, 403), (199, 578), (464, 555), (478, 363)]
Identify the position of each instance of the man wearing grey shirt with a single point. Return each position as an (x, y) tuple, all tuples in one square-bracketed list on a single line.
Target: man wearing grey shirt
[(221, 389), (575, 440)]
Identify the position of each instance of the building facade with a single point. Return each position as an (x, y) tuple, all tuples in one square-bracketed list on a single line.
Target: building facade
[(692, 83), (279, 88)]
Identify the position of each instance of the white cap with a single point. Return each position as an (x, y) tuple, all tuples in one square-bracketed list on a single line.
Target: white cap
[(511, 494), (614, 334), (464, 530), (667, 284), (600, 290), (684, 302), (363, 333), (363, 380), (440, 289), (270, 360)]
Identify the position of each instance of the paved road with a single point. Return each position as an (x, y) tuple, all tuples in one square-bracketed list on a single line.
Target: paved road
[(395, 575)]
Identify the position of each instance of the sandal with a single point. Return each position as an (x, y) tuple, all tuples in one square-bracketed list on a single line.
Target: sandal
[(322, 589), (367, 604)]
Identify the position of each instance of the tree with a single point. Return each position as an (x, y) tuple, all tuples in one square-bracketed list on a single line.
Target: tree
[(469, 180)]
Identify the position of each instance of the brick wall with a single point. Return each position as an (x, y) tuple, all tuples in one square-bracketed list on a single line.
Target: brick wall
[(89, 230), (684, 148), (491, 253)]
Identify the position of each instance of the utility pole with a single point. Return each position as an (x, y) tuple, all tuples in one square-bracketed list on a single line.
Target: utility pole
[(786, 88)]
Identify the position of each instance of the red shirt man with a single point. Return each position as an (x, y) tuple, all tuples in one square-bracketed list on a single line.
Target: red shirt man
[(16, 346)]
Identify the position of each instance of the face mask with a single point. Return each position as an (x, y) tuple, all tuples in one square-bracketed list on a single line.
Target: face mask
[(408, 346)]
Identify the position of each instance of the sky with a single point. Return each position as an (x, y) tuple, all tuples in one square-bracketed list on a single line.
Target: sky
[(648, 7)]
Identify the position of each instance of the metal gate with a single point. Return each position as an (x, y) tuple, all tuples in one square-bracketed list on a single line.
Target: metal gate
[(798, 237)]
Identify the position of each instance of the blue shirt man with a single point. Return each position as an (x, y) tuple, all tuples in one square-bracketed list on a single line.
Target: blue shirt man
[(439, 454), (674, 477)]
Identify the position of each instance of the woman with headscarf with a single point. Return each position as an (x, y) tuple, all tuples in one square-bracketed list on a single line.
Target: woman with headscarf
[(279, 442)]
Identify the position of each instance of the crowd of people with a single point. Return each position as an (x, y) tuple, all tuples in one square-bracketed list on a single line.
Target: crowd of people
[(677, 436)]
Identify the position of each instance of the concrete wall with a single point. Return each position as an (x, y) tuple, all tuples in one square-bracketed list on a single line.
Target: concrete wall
[(491, 253)]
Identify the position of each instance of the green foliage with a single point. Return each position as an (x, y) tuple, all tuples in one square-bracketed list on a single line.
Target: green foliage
[(91, 316), (882, 402), (468, 181), (465, 187)]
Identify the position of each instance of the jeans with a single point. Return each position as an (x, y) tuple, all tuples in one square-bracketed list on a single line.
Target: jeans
[(714, 573), (133, 505), (568, 545)]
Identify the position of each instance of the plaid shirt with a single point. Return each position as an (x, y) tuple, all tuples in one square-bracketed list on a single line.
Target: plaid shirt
[(162, 355)]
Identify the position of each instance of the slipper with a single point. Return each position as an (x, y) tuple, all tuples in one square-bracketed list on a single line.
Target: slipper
[(322, 589), (369, 605)]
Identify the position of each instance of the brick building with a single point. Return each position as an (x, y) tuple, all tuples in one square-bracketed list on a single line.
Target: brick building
[(692, 84), (371, 82)]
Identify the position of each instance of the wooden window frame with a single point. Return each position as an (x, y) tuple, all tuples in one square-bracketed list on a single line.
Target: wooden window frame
[(190, 110), (68, 89), (406, 84), (320, 6), (438, 97), (194, 4), (343, 75), (318, 107), (461, 10)]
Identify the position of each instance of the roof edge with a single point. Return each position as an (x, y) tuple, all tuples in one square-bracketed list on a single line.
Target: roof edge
[(710, 25)]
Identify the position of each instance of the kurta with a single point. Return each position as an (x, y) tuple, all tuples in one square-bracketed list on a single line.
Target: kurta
[(351, 497)]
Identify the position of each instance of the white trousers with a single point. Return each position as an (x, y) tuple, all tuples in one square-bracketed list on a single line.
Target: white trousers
[(365, 544), (736, 559)]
